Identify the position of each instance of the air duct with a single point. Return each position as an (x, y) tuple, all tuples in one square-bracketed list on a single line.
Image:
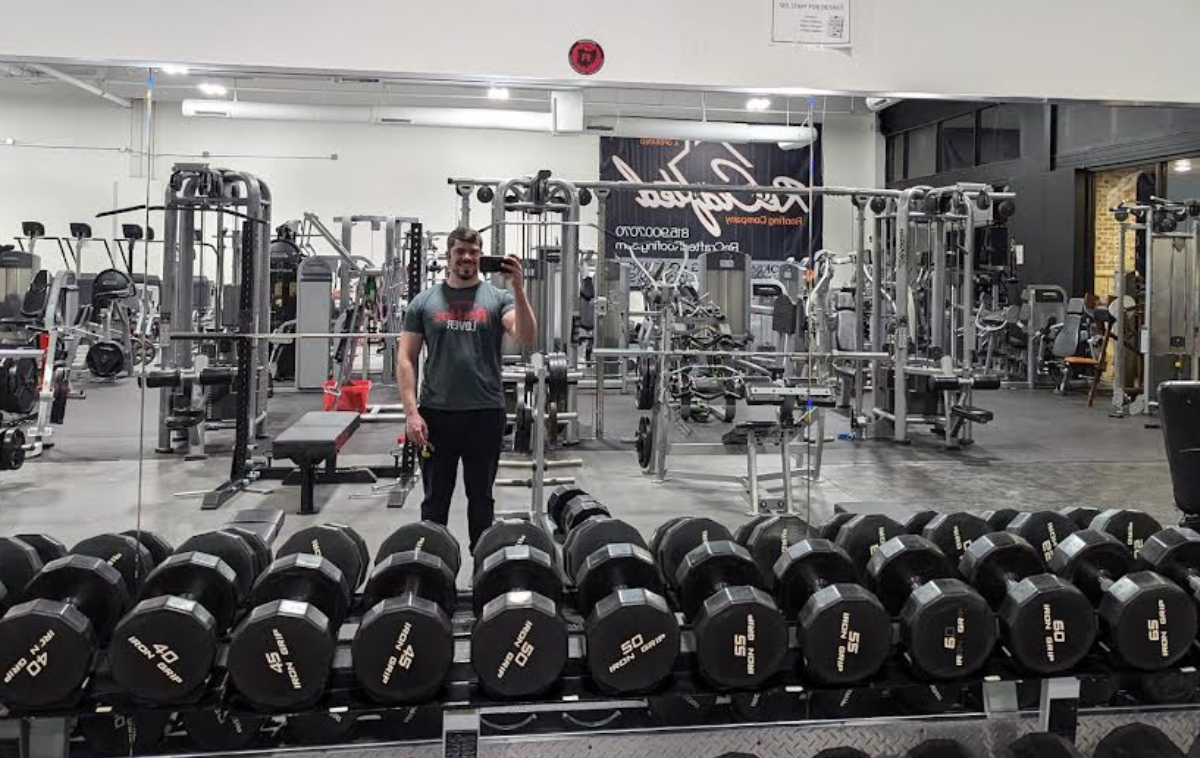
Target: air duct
[(496, 118)]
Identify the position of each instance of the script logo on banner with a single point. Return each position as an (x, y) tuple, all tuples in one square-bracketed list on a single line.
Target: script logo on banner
[(662, 224)]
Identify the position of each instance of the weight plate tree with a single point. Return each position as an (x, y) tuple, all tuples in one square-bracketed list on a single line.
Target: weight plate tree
[(1047, 623), (519, 643), (948, 629), (1148, 622), (280, 654), (405, 643), (47, 643), (741, 637)]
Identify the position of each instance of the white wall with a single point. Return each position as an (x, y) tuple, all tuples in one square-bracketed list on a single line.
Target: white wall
[(1018, 48), (379, 170)]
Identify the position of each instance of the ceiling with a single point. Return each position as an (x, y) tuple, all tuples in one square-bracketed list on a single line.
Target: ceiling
[(312, 89)]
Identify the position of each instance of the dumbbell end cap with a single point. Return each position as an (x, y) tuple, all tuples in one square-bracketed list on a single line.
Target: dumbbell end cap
[(403, 649), (56, 676), (1049, 624), (949, 629), (163, 649), (726, 619), (1145, 600), (845, 634), (296, 637), (519, 644), (632, 641)]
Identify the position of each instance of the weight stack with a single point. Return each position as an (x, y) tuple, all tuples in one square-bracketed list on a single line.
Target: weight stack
[(1179, 406)]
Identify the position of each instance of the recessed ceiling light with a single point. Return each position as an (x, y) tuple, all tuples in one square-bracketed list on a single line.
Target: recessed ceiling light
[(758, 104), (1183, 166), (212, 89), (174, 70), (498, 93)]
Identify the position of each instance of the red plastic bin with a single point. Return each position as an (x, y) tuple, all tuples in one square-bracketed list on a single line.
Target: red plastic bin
[(353, 396)]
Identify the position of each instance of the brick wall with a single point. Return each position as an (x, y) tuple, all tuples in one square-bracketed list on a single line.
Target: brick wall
[(1112, 187)]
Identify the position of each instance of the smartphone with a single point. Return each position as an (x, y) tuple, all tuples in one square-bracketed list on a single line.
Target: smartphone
[(491, 264)]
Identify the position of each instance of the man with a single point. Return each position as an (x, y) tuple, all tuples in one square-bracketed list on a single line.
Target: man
[(461, 411)]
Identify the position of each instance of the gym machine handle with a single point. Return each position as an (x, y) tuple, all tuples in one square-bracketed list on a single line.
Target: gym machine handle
[(177, 378)]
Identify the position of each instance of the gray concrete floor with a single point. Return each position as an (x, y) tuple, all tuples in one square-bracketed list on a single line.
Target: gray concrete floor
[(1041, 451)]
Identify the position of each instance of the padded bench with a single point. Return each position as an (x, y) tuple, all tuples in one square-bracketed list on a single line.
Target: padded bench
[(315, 437)]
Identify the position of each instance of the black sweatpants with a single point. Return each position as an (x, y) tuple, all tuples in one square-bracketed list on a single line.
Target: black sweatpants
[(475, 438)]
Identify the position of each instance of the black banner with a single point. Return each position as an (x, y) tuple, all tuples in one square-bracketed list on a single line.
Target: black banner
[(662, 224)]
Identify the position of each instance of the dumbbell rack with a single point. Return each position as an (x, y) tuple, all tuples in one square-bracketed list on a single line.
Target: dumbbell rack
[(985, 712)]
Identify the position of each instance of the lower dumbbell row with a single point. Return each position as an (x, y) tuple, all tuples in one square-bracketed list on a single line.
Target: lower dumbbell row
[(281, 652)]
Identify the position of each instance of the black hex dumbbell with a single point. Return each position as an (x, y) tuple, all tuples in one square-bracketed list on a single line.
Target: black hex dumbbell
[(632, 634), (1131, 527), (844, 632), (48, 548), (768, 537), (405, 643), (519, 643), (741, 637), (948, 628), (862, 536), (953, 533), (164, 649), (131, 553), (19, 564), (1148, 622), (280, 653), (1174, 552), (47, 642), (1082, 515), (1042, 529), (1048, 625)]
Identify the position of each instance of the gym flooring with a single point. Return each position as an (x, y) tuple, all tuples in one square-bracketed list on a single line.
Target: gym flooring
[(1042, 451)]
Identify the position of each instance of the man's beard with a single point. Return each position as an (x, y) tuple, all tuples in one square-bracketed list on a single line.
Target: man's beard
[(465, 270)]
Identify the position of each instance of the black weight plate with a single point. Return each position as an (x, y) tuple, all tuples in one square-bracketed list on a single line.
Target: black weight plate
[(644, 442), (125, 554), (20, 387), (280, 655), (682, 537), (105, 359), (423, 535), (124, 734), (519, 568), (319, 727), (47, 547), (159, 548), (305, 578), (953, 533), (594, 534), (403, 649), (332, 542), (1043, 745), (770, 539), (220, 730), (1132, 528), (508, 533), (19, 563), (234, 550), (1042, 529)]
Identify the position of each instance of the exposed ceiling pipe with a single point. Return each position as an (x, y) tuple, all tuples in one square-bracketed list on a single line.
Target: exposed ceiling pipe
[(496, 118), (65, 77)]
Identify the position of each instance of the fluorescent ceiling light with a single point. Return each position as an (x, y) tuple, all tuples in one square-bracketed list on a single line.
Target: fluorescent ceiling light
[(9, 141), (1183, 166), (212, 89), (498, 93), (174, 70), (758, 104)]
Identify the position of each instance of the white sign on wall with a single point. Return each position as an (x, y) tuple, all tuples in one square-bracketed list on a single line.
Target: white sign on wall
[(811, 22)]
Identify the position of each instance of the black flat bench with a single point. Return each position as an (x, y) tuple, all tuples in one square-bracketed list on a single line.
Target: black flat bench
[(315, 437)]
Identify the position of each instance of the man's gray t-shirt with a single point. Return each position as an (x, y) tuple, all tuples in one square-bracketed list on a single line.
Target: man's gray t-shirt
[(463, 334)]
